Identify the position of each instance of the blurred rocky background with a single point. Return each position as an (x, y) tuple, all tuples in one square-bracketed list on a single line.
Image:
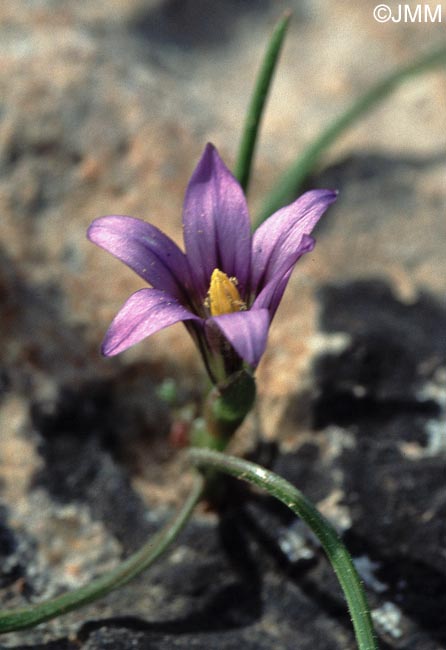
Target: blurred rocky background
[(105, 108)]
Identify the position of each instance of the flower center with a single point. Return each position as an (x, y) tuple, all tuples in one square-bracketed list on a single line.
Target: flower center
[(223, 296)]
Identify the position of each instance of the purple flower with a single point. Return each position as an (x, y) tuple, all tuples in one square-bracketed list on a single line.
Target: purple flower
[(227, 286)]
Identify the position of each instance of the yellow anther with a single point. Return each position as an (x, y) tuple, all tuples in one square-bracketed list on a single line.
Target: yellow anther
[(223, 296)]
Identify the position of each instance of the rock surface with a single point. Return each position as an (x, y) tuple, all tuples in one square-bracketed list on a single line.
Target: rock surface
[(106, 107)]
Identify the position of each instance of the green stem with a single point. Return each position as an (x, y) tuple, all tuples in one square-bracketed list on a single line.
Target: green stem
[(20, 619), (301, 506), (257, 103), (290, 183)]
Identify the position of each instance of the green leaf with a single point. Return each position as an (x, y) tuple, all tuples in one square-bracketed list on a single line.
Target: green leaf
[(289, 495), (257, 103), (289, 185), (21, 619)]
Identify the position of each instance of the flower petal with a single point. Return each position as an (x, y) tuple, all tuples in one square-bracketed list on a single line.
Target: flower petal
[(147, 311), (146, 250), (271, 294), (276, 240), (247, 331), (216, 223)]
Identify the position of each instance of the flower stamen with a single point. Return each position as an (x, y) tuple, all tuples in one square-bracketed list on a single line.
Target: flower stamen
[(223, 296)]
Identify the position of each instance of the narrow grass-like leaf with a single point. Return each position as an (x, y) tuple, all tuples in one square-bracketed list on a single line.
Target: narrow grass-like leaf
[(289, 495), (255, 110), (21, 619), (289, 185)]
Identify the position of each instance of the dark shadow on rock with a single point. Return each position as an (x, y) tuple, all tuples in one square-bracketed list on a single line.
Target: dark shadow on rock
[(273, 528), (34, 326), (91, 427), (394, 172), (86, 438), (9, 573), (229, 588), (265, 453), (233, 593), (394, 349), (391, 496), (230, 609), (413, 584), (419, 591), (195, 24), (361, 167), (375, 389), (366, 177), (239, 553)]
